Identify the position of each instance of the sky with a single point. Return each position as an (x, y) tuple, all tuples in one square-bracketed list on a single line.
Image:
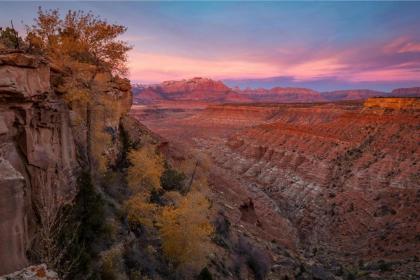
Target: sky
[(322, 45)]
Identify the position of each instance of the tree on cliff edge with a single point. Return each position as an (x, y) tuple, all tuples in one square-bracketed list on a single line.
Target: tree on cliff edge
[(79, 36)]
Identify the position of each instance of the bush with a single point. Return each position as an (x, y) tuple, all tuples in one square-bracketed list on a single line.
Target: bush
[(146, 169), (84, 226), (140, 211), (9, 38), (186, 232), (172, 180), (78, 36), (112, 263)]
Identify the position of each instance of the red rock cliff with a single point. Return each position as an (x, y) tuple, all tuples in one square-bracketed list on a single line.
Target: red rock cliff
[(44, 141)]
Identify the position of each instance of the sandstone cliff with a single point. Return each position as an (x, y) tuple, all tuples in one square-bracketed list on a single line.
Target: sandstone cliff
[(393, 103), (45, 140)]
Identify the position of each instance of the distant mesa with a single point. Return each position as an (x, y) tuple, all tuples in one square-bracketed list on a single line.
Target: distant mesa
[(212, 91), (283, 94), (195, 89), (353, 94), (399, 103), (406, 92)]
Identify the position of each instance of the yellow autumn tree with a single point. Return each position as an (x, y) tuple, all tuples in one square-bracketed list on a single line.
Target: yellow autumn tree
[(140, 211), (145, 170), (186, 231), (80, 36)]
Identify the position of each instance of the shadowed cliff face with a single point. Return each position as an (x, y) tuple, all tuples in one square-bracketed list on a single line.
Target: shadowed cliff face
[(37, 145), (336, 183), (43, 145)]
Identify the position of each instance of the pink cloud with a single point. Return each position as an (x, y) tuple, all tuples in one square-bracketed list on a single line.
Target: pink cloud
[(393, 74), (315, 69), (402, 45), (397, 60), (152, 67)]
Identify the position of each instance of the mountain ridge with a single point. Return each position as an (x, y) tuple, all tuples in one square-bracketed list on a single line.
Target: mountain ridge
[(215, 91)]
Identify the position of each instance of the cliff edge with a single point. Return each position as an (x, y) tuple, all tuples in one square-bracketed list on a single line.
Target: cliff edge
[(46, 138)]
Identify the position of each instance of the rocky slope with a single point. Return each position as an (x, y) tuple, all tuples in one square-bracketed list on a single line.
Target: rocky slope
[(348, 182), (335, 183), (45, 140)]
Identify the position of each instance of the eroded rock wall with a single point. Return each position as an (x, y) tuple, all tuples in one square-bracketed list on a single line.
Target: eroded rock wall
[(37, 152), (346, 178), (45, 140)]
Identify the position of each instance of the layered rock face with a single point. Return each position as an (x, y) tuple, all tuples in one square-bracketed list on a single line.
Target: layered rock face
[(348, 183), (338, 181), (393, 103), (12, 209), (37, 151), (43, 145)]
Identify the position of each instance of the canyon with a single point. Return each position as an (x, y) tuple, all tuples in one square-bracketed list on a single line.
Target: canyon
[(330, 185), (301, 186)]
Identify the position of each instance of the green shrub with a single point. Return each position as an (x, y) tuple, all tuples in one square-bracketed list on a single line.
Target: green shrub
[(172, 180), (9, 38), (84, 227)]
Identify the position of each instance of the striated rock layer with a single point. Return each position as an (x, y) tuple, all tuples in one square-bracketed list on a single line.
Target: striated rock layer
[(349, 184), (393, 103), (340, 181)]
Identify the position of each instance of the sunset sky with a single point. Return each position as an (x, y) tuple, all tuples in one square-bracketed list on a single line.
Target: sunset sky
[(325, 46)]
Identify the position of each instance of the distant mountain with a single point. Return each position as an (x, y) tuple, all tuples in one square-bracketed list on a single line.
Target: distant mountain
[(406, 92), (211, 91), (356, 94), (283, 94), (196, 89)]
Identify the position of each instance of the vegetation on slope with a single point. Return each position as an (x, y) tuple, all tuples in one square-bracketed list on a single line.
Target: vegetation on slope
[(160, 208)]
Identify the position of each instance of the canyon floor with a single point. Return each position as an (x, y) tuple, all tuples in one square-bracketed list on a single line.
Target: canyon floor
[(326, 190)]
